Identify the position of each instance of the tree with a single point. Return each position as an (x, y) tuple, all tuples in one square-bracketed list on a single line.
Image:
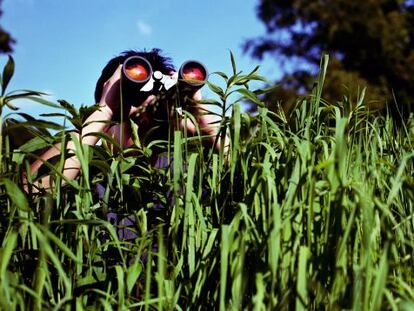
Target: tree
[(6, 41), (371, 44)]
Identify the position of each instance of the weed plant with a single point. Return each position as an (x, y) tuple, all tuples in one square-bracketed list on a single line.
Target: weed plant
[(312, 213)]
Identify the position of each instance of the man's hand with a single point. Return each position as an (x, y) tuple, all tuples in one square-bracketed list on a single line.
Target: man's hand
[(208, 123)]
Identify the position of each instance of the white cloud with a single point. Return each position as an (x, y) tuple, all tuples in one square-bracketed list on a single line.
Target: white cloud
[(144, 28)]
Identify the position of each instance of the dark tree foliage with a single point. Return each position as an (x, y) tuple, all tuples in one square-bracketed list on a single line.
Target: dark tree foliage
[(371, 44), (6, 41)]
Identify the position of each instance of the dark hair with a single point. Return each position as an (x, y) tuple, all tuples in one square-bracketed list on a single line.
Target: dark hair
[(157, 61)]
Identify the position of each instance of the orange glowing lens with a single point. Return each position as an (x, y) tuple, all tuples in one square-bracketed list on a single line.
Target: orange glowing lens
[(136, 71), (193, 71)]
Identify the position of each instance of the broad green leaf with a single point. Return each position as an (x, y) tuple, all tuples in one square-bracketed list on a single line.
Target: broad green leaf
[(8, 72), (216, 89), (251, 96), (15, 194)]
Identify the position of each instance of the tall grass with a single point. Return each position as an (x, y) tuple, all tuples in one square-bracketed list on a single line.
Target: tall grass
[(314, 213)]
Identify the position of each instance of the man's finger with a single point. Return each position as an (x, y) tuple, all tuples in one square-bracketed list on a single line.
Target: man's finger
[(116, 75), (197, 95)]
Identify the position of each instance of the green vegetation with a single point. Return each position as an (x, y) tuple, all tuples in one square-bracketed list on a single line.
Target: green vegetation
[(314, 213)]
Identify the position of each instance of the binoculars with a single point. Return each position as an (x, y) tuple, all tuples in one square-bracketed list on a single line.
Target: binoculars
[(139, 80)]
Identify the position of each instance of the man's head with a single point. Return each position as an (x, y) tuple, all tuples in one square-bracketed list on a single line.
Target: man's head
[(157, 61)]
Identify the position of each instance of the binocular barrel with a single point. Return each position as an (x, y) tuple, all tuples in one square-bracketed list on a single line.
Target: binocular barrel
[(139, 79), (137, 71)]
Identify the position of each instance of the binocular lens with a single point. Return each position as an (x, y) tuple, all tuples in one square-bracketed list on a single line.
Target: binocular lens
[(137, 69), (193, 71)]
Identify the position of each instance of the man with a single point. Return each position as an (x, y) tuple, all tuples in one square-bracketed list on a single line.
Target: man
[(108, 98)]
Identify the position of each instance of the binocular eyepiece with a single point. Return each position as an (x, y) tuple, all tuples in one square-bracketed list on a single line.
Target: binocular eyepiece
[(139, 79)]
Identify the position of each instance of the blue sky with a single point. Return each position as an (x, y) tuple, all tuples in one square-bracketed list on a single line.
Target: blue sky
[(63, 45)]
